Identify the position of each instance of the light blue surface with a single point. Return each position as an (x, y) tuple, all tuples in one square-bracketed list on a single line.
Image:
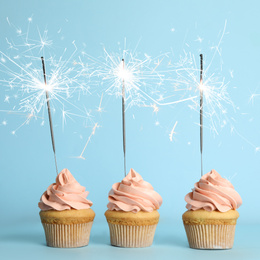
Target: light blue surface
[(27, 241), (27, 166)]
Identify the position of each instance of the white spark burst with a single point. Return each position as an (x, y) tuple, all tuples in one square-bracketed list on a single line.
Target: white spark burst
[(186, 79), (142, 79), (214, 88), (22, 74)]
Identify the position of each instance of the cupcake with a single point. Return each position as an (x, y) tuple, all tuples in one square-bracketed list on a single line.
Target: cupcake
[(211, 218), (65, 213), (132, 212)]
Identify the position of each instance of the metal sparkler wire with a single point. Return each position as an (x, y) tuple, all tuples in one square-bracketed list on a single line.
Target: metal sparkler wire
[(49, 114), (123, 116), (201, 111)]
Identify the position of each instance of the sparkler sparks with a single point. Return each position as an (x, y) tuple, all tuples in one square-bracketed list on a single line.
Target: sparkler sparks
[(142, 78), (100, 109), (23, 76), (252, 97), (214, 89), (218, 106), (89, 138), (133, 79), (173, 131), (135, 74), (216, 97), (149, 82)]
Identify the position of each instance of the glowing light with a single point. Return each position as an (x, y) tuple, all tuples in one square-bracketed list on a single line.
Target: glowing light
[(47, 87), (141, 76), (214, 88), (123, 73), (23, 75)]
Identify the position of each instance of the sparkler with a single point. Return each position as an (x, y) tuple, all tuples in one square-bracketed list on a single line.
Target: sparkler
[(201, 111), (214, 97), (27, 93), (216, 106), (213, 91), (138, 82), (143, 80), (67, 78), (49, 114), (123, 115)]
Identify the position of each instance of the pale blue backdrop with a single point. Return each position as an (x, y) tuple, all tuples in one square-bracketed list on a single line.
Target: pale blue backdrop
[(27, 166)]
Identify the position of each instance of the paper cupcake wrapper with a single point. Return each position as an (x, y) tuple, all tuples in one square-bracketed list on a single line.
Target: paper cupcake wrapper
[(75, 235), (210, 236), (131, 236)]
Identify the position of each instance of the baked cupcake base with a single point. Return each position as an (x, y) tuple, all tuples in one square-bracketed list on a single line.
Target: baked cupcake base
[(210, 230), (67, 228), (129, 229)]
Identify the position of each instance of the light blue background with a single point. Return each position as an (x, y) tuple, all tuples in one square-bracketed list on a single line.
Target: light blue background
[(27, 166)]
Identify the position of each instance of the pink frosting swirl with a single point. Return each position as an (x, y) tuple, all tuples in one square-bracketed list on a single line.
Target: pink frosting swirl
[(66, 193), (133, 194), (213, 192)]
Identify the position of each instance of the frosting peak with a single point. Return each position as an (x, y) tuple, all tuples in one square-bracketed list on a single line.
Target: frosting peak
[(66, 193), (213, 192), (133, 194)]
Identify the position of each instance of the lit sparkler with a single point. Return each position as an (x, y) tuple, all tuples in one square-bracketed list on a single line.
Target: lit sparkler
[(217, 104), (187, 79), (22, 76), (49, 115), (142, 78), (137, 81)]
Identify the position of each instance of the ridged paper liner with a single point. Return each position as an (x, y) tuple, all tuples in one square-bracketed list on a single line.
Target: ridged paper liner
[(131, 236), (75, 235), (210, 236)]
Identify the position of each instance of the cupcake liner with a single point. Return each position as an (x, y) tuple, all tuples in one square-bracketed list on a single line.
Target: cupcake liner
[(210, 236), (131, 236), (61, 235)]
